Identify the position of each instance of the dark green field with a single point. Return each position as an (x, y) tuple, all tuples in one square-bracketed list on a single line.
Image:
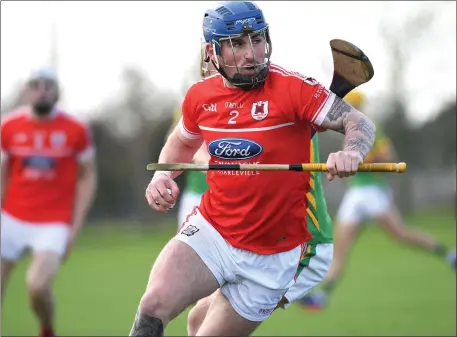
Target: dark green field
[(388, 289)]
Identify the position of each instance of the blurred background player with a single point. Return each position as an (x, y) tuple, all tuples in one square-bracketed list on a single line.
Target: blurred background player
[(48, 181), (369, 198), (196, 183), (317, 258)]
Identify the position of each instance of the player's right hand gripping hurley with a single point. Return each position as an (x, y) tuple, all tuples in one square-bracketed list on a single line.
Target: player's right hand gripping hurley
[(162, 192)]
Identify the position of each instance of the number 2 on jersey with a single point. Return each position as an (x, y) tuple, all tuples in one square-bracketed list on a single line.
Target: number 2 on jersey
[(235, 114)]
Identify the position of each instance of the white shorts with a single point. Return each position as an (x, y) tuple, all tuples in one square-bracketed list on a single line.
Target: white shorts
[(187, 203), (17, 236), (253, 283), (361, 203), (313, 268)]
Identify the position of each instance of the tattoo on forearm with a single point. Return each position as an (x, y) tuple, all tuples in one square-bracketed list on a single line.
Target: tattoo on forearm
[(360, 134), (337, 115), (363, 127), (339, 109), (359, 145), (358, 128)]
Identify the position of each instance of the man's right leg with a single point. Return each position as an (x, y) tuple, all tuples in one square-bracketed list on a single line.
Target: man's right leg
[(171, 290), (12, 247)]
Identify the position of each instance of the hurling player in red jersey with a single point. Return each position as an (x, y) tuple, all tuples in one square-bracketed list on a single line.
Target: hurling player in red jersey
[(247, 235), (48, 181)]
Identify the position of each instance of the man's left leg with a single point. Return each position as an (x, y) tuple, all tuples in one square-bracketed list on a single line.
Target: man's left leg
[(391, 221), (48, 247), (223, 320), (40, 276), (197, 314), (240, 306)]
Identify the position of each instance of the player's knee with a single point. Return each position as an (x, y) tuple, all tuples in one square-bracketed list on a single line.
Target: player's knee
[(38, 289), (154, 304)]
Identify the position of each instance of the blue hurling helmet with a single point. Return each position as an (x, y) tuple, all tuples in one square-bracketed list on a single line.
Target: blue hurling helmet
[(234, 19)]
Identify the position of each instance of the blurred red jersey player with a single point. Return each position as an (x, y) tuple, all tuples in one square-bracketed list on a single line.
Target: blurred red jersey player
[(48, 181)]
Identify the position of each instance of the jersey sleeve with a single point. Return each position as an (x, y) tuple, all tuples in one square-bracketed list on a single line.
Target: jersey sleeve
[(312, 101), (85, 148), (188, 122)]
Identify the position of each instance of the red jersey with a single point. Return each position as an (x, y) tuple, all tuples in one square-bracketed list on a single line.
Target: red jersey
[(43, 164), (263, 212)]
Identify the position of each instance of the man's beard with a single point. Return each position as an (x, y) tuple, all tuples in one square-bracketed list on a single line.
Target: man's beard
[(43, 108)]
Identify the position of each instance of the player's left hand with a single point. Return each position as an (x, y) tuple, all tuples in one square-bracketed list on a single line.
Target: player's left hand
[(343, 164)]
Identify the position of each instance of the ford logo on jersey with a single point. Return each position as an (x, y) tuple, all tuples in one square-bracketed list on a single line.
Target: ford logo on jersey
[(234, 148)]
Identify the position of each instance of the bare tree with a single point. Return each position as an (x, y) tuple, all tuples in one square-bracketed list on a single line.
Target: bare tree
[(403, 35)]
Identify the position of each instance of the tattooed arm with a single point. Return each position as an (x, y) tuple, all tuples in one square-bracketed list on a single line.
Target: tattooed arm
[(359, 133), (357, 127)]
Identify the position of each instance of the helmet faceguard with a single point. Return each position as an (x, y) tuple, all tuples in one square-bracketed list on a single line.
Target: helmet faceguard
[(234, 20)]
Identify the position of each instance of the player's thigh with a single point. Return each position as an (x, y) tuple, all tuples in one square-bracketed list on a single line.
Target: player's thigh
[(223, 320), (42, 270), (178, 278), (48, 243), (14, 235), (262, 281), (188, 268), (187, 203), (312, 271)]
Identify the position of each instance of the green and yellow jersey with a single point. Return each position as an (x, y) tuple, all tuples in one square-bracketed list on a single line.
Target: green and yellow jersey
[(318, 220)]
